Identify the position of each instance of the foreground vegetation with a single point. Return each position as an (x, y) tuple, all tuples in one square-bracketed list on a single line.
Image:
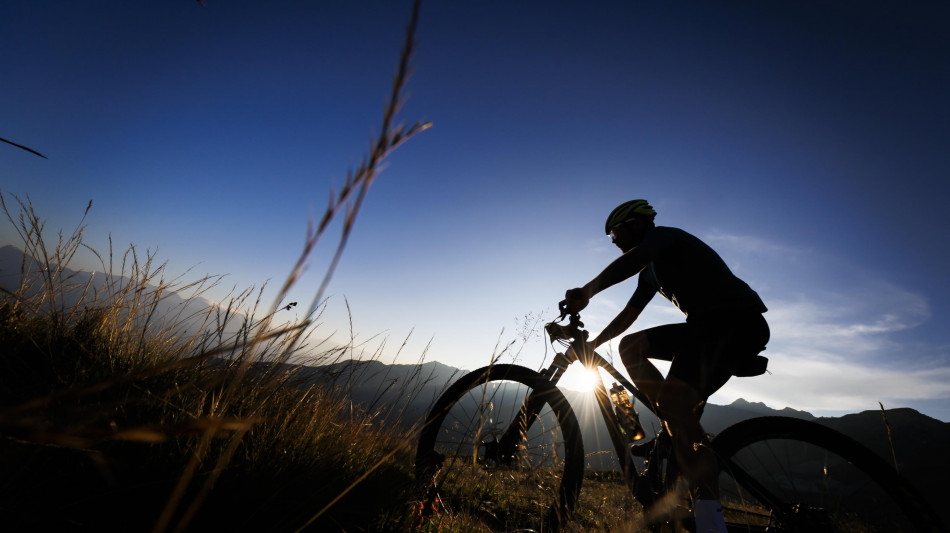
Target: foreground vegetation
[(119, 411), (114, 417)]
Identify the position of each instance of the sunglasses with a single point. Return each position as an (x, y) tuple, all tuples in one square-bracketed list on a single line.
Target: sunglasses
[(613, 229)]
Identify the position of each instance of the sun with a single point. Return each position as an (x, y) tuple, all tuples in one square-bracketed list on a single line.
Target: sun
[(579, 378)]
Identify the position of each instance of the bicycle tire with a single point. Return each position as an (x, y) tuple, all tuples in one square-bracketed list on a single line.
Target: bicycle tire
[(535, 487), (814, 479)]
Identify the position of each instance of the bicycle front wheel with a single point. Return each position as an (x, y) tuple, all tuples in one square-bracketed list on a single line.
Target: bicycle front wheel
[(502, 445), (790, 475)]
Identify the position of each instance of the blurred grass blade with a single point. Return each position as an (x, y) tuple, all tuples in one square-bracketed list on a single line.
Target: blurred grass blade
[(23, 147)]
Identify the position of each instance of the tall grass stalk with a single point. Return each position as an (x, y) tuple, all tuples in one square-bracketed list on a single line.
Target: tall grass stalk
[(20, 146), (349, 200), (158, 415)]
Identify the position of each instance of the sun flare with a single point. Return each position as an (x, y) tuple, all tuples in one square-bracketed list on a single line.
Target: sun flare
[(579, 378)]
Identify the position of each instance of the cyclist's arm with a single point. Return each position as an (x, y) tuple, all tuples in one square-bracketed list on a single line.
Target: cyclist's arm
[(641, 297), (624, 267)]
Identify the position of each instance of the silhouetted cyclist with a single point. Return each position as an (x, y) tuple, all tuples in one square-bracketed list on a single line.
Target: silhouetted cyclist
[(723, 332)]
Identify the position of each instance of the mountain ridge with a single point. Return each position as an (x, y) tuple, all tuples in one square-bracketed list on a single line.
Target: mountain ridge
[(99, 288), (917, 441)]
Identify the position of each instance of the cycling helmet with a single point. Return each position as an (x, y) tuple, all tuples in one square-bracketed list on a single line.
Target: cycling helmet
[(627, 211)]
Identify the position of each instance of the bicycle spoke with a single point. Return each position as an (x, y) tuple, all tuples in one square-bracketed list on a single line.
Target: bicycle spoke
[(790, 475), (499, 464)]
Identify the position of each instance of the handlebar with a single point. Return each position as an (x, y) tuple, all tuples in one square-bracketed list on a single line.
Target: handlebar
[(573, 331)]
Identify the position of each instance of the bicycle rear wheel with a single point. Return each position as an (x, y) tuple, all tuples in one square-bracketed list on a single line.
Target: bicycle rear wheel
[(790, 475), (481, 454)]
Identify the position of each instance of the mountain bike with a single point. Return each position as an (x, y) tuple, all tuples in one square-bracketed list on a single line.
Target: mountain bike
[(504, 445)]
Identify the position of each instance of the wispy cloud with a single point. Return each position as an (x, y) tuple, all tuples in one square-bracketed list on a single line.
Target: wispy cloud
[(600, 246), (839, 334), (827, 382), (747, 244), (857, 319)]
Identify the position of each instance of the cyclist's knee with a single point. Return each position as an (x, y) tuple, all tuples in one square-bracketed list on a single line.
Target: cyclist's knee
[(634, 349)]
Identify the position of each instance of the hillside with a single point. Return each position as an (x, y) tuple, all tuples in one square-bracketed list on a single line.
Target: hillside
[(189, 313), (919, 441), (920, 444), (394, 393)]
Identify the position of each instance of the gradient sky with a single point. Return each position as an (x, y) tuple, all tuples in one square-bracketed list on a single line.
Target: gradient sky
[(806, 142)]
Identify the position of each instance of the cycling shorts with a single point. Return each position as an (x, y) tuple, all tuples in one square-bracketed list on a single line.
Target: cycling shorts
[(705, 351)]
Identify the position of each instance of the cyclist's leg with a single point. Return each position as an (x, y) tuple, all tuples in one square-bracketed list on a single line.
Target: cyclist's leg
[(703, 367), (679, 402), (661, 342)]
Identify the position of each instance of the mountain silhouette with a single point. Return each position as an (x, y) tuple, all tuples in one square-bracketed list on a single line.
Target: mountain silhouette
[(919, 442), (97, 289)]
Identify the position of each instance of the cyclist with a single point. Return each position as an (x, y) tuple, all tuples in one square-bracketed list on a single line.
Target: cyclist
[(723, 331)]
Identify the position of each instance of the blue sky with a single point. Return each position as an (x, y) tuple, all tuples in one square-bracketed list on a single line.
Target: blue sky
[(805, 142)]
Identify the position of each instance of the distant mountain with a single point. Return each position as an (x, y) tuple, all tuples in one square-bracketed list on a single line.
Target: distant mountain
[(920, 442), (397, 393), (722, 416), (97, 289), (920, 445)]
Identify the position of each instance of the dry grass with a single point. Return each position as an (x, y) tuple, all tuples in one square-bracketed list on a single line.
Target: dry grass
[(122, 410), (115, 416), (119, 410)]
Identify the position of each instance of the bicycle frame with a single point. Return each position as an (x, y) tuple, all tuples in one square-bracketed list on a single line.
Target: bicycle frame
[(593, 362)]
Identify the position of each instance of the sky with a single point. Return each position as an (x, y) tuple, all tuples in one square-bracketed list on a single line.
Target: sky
[(804, 141)]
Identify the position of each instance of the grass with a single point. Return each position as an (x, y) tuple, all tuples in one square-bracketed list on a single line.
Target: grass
[(121, 411), (604, 505), (115, 418)]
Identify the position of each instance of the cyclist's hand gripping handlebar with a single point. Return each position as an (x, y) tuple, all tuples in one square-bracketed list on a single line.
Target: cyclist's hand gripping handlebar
[(575, 300)]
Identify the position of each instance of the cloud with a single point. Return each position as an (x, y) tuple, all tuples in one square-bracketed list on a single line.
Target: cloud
[(839, 333), (600, 246), (859, 320), (831, 382), (746, 245), (856, 321)]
